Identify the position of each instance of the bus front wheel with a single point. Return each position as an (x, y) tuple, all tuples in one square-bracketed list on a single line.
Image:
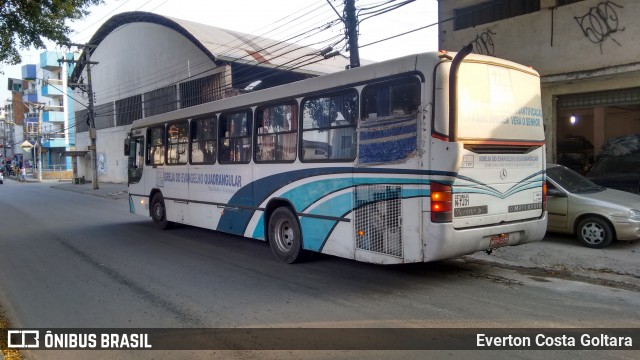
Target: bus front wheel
[(285, 237), (159, 212)]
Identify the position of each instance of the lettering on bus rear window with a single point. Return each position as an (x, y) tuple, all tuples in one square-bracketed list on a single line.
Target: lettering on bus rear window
[(204, 136), (276, 133), (329, 126)]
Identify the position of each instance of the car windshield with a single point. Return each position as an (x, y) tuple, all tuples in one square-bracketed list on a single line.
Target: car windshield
[(571, 180), (616, 165)]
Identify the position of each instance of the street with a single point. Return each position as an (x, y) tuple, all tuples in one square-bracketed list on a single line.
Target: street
[(68, 260)]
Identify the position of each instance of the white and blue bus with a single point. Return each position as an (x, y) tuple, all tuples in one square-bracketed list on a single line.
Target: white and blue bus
[(425, 157)]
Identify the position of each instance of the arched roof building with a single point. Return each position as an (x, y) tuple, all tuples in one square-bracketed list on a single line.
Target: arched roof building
[(146, 64)]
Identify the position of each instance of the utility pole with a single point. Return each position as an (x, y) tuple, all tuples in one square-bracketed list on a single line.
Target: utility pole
[(351, 24), (39, 142), (92, 124)]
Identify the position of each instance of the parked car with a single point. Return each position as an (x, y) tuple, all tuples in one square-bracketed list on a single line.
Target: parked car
[(621, 172), (597, 215)]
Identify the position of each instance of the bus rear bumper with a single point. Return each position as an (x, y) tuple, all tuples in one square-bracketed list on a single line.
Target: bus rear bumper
[(442, 241)]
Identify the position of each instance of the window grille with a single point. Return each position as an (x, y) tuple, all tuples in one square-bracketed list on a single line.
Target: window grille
[(160, 101), (128, 109)]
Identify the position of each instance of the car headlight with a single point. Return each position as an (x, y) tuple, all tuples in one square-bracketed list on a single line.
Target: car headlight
[(634, 214)]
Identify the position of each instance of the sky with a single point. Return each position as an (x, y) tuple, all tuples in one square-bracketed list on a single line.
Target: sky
[(276, 19)]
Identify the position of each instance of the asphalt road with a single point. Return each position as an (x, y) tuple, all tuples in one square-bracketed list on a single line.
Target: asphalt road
[(77, 261)]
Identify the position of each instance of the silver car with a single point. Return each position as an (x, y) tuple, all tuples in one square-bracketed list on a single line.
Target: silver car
[(597, 215)]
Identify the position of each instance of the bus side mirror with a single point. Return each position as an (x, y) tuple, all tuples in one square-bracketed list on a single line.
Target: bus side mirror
[(126, 146)]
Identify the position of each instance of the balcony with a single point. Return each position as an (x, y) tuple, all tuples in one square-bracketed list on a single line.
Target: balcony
[(30, 96), (29, 72), (52, 88), (49, 60), (53, 115), (54, 142)]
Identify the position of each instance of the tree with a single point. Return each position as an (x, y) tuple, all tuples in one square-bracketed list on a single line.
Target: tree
[(26, 23)]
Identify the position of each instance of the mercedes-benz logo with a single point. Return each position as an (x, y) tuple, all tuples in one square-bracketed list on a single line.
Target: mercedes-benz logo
[(503, 174)]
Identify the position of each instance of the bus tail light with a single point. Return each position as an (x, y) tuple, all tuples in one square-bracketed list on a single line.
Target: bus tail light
[(441, 208), (544, 196)]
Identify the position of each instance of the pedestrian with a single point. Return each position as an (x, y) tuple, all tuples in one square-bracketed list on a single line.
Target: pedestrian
[(23, 174)]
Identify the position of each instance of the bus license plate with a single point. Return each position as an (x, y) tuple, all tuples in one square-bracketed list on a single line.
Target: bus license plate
[(499, 240)]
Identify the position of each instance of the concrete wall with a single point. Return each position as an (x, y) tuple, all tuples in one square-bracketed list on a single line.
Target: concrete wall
[(587, 46), (553, 40)]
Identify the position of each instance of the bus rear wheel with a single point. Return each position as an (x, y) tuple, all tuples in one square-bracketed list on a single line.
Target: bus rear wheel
[(159, 212), (285, 237)]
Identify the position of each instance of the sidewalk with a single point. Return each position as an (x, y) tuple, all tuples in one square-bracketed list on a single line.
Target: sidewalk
[(106, 190), (561, 255)]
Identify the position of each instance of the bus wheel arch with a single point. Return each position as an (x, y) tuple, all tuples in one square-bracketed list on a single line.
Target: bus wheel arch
[(283, 232), (158, 210)]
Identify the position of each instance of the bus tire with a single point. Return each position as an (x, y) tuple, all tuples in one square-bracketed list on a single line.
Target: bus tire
[(594, 232), (285, 237), (159, 212)]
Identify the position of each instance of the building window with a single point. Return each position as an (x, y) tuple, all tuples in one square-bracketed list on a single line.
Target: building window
[(276, 137), (201, 90), (128, 109), (328, 127), (235, 137), (204, 141), (155, 145), (177, 142), (104, 116), (160, 101), (491, 11), (51, 130), (81, 120)]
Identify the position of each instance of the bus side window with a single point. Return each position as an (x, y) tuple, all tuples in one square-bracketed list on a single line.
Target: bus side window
[(177, 142), (328, 127), (235, 137), (390, 122), (155, 145), (391, 100), (204, 140), (276, 133)]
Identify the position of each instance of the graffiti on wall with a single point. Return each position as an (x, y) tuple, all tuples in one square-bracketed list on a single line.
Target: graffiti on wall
[(600, 22), (483, 44)]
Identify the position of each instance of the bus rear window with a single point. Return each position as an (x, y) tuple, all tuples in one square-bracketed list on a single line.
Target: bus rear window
[(498, 103)]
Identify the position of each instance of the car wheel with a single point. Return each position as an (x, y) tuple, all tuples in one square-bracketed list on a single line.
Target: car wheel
[(595, 233), (285, 237), (159, 212)]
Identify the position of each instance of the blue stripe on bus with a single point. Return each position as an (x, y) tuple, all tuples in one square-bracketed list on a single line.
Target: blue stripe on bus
[(253, 194), (302, 197)]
